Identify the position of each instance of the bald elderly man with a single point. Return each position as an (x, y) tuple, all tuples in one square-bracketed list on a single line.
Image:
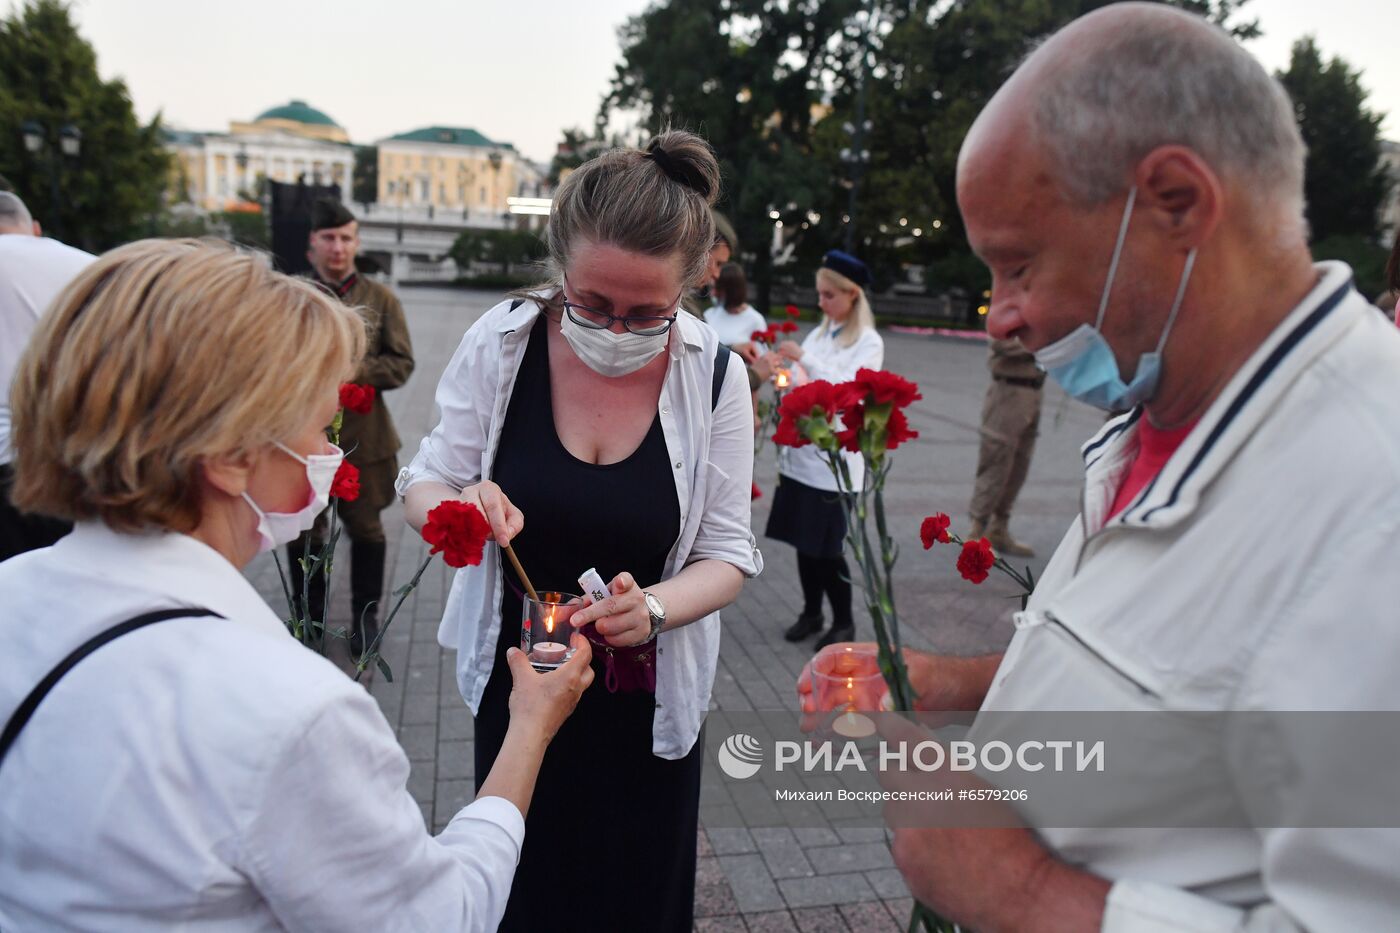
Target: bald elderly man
[(1136, 189)]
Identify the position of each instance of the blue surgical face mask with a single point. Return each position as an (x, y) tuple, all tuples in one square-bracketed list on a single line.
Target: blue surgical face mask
[(1083, 363)]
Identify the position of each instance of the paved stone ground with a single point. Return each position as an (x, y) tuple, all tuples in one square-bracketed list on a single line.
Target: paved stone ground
[(832, 878)]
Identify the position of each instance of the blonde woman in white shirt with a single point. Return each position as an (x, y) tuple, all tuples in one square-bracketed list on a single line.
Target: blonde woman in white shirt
[(201, 770), (807, 511)]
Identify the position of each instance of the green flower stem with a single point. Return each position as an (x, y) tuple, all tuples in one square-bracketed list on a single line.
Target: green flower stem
[(372, 650)]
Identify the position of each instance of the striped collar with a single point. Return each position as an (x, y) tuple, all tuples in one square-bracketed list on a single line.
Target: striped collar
[(337, 290), (1231, 419)]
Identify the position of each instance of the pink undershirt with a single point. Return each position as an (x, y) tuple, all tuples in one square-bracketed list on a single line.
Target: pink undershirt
[(1155, 448)]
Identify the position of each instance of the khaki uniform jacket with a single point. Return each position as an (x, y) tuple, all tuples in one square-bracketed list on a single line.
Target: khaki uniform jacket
[(387, 365)]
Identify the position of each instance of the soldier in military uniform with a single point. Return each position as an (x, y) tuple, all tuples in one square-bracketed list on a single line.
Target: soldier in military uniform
[(370, 441), (1010, 422)]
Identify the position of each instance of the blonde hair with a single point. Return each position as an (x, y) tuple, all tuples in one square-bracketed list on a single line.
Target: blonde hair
[(160, 354), (861, 319), (641, 200)]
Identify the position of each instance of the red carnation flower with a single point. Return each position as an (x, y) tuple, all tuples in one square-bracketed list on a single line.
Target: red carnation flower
[(897, 431), (976, 560), (346, 485), (458, 531), (880, 387), (792, 311), (935, 530), (854, 420), (357, 398), (788, 327), (804, 402)]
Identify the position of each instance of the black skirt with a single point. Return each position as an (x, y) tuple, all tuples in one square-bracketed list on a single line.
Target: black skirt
[(810, 519)]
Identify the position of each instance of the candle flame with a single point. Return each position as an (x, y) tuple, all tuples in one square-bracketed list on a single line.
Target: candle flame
[(782, 379), (549, 621)]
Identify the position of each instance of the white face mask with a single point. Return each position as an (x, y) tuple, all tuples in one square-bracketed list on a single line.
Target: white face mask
[(610, 354), (276, 528)]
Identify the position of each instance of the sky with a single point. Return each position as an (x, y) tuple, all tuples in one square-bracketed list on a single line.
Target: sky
[(519, 71)]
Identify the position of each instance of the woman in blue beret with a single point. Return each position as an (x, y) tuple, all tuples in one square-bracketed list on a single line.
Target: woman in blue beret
[(807, 511)]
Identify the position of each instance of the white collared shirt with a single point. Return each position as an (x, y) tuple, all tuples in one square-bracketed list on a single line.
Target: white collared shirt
[(825, 357), (1254, 573), (711, 456), (33, 270), (734, 327), (210, 774)]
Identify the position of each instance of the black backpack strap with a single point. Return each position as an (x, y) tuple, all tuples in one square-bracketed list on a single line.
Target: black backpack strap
[(722, 356), (516, 303), (36, 696)]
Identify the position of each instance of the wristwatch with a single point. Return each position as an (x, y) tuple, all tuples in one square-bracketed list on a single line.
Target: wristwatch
[(657, 610)]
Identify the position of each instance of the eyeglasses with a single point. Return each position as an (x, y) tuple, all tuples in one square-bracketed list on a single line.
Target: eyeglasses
[(643, 326)]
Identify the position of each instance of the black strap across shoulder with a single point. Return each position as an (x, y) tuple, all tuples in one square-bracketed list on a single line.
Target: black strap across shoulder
[(36, 696), (721, 366)]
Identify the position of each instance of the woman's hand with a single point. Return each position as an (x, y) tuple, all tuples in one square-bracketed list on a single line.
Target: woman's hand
[(506, 520), (749, 351), (622, 619), (790, 349), (542, 701)]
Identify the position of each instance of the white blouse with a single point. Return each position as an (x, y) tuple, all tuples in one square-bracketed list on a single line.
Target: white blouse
[(823, 357), (711, 455), (734, 327), (210, 774)]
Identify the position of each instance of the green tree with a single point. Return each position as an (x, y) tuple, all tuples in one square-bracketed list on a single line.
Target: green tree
[(111, 191), (366, 178), (748, 76), (500, 247), (1345, 182)]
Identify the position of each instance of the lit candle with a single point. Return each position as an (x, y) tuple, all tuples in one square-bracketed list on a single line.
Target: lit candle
[(548, 652), (780, 379)]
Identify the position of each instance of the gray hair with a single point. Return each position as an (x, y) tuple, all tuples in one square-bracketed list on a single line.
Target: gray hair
[(1173, 80), (13, 214)]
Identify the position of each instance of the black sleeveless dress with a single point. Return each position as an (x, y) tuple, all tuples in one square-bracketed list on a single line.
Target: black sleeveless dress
[(611, 823)]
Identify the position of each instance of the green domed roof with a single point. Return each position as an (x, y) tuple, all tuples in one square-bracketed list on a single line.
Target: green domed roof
[(298, 111)]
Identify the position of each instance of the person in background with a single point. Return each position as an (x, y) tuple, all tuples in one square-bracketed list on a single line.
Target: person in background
[(33, 270), (587, 417), (732, 317), (1010, 423), (724, 247), (200, 770), (807, 511), (369, 440)]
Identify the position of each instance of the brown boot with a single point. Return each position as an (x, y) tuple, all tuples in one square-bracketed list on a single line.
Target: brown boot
[(1000, 536), (977, 529)]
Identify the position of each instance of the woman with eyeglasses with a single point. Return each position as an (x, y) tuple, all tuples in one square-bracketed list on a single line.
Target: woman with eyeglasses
[(597, 426)]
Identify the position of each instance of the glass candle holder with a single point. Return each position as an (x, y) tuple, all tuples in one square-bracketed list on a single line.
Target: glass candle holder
[(846, 680), (545, 630)]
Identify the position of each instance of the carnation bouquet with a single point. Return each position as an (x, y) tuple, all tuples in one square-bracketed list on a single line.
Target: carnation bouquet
[(457, 530)]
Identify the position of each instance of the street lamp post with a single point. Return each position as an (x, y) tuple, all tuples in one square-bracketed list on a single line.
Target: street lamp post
[(495, 159), (36, 143)]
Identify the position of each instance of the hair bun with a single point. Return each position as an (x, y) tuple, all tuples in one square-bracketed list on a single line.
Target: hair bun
[(687, 160)]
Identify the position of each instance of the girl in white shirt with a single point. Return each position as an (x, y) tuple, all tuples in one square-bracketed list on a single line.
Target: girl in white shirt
[(733, 318), (807, 511)]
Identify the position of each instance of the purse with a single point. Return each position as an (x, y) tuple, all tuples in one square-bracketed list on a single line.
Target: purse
[(625, 670)]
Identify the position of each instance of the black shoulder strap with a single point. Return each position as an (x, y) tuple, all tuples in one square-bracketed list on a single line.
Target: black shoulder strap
[(722, 356), (36, 696)]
